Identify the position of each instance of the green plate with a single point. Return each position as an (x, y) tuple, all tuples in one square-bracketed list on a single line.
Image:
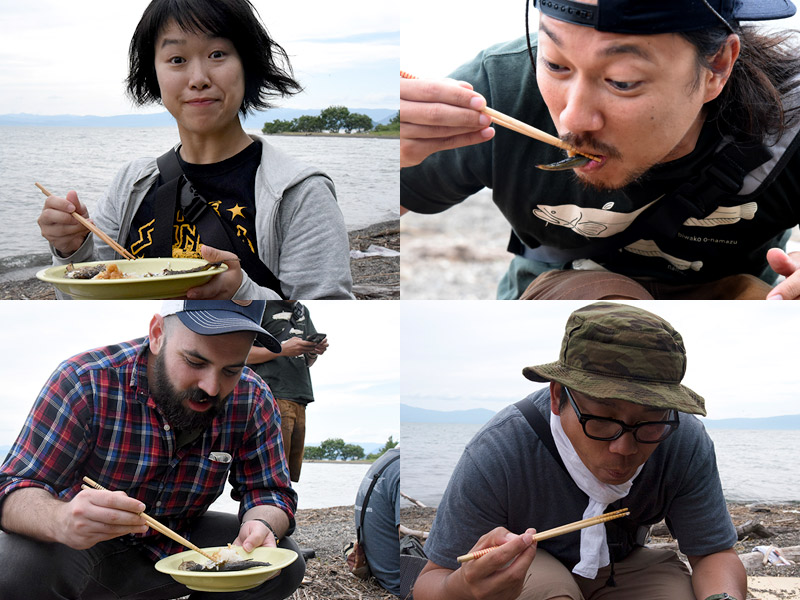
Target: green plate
[(165, 286), (233, 581)]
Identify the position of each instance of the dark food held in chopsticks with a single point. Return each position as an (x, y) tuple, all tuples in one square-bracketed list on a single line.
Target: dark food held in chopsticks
[(575, 159)]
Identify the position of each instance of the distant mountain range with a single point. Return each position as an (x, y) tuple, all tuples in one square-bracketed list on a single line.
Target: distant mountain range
[(164, 119), (478, 416)]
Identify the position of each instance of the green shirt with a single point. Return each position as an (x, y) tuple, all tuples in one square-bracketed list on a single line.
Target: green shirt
[(288, 377), (552, 209)]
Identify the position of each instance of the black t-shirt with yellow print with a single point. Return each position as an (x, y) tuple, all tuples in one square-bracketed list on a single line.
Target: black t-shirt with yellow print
[(228, 187)]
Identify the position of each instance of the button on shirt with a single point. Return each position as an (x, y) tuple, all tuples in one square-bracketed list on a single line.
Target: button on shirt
[(95, 418)]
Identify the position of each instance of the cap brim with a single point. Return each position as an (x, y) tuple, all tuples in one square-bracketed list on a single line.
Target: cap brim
[(211, 322), (649, 393), (765, 10)]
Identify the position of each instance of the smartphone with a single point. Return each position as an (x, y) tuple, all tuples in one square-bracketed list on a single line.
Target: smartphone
[(316, 337)]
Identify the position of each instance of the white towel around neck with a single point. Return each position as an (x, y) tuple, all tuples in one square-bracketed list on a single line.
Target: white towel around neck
[(594, 546)]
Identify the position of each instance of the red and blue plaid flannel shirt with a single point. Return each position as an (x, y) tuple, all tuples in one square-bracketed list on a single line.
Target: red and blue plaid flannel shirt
[(95, 418)]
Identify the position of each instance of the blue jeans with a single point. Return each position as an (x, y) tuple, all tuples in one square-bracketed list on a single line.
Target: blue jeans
[(34, 570)]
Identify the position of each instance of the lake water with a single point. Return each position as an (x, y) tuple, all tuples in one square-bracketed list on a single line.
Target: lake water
[(321, 485), (365, 171), (755, 466)]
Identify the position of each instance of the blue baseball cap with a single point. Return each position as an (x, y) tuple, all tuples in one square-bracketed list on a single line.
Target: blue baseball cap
[(216, 317), (663, 16)]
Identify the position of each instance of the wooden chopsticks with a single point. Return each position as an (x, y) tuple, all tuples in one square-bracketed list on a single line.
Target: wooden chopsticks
[(95, 230), (556, 531), (155, 524), (523, 128)]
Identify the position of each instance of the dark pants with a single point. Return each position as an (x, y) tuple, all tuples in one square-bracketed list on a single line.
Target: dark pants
[(33, 570)]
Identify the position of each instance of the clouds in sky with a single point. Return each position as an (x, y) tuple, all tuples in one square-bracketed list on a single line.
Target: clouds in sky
[(71, 57), (356, 382), (462, 355)]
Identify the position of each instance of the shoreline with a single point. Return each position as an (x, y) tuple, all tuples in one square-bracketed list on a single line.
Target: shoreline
[(389, 135), (374, 277)]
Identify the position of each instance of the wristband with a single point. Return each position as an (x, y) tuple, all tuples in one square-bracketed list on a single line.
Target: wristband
[(267, 525), (724, 596)]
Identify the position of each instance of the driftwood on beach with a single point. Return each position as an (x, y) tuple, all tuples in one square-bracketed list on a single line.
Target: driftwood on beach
[(376, 277)]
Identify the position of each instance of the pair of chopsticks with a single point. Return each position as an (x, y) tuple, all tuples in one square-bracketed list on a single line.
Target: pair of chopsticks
[(523, 128), (155, 524), (95, 230), (556, 531)]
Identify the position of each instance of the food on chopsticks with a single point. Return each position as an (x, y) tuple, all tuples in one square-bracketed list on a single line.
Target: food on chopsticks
[(225, 559), (112, 271)]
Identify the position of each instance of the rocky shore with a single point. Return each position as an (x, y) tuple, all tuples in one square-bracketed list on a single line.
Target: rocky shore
[(374, 277), (327, 531), (766, 581)]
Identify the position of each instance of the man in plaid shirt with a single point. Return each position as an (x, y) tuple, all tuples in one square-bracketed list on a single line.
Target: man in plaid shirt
[(163, 420)]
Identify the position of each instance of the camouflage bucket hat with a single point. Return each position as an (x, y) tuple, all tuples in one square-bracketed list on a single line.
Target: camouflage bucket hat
[(620, 352)]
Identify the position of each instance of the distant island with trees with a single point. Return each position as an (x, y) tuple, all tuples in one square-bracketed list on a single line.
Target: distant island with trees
[(337, 450), (334, 120)]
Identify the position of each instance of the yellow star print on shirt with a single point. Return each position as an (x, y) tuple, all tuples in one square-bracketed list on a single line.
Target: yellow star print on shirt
[(236, 211)]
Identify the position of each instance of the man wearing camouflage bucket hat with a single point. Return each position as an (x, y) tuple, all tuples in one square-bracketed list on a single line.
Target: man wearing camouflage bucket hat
[(613, 430)]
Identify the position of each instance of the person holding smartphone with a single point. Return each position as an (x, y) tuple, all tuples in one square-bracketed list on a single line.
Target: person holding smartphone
[(288, 373)]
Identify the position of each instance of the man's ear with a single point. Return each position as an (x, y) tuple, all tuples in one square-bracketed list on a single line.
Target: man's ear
[(721, 67), (555, 398), (156, 334)]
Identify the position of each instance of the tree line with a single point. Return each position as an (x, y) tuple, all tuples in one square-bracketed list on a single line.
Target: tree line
[(333, 119), (337, 449)]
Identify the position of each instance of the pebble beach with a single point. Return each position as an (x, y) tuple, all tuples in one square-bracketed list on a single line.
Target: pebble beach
[(765, 581)]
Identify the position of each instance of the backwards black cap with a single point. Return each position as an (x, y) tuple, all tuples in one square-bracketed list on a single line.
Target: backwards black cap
[(663, 16)]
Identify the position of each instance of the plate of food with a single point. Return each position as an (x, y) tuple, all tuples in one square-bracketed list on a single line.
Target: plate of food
[(233, 569), (152, 278)]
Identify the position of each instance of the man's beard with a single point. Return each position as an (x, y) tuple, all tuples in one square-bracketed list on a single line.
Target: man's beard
[(171, 401)]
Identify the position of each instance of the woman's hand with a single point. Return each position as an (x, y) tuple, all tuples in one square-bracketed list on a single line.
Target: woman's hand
[(224, 285), (59, 227), (439, 115)]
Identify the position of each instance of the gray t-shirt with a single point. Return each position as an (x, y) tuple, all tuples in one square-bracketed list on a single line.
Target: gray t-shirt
[(381, 542), (506, 477)]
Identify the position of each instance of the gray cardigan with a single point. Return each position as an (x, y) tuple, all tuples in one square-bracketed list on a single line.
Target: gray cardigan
[(300, 230)]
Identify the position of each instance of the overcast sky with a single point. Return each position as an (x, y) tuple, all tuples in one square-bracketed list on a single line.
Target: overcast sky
[(60, 57), (440, 35), (460, 355), (356, 382)]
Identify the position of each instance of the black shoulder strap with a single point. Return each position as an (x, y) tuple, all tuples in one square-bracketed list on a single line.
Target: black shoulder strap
[(196, 210), (372, 485), (540, 426)]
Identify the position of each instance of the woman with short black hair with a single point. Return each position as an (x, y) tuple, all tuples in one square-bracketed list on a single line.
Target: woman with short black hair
[(221, 193)]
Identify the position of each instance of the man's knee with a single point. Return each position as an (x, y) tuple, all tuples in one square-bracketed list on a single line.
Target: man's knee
[(33, 569)]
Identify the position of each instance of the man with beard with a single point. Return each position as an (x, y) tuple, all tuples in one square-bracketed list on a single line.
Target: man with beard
[(614, 429), (164, 421), (693, 119)]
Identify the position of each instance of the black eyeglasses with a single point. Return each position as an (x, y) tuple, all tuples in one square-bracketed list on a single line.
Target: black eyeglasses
[(606, 430)]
